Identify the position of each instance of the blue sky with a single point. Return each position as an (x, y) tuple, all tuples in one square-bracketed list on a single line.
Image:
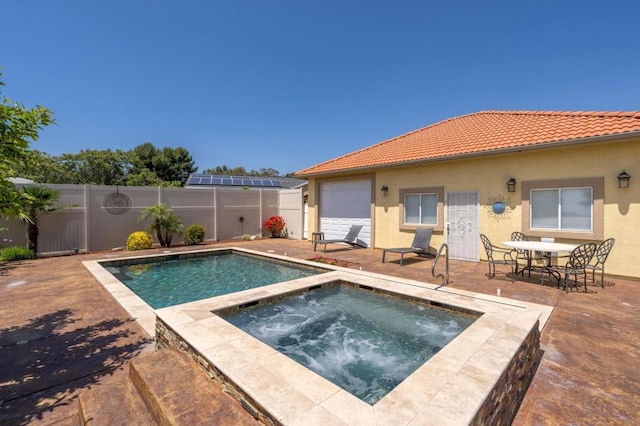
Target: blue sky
[(287, 84)]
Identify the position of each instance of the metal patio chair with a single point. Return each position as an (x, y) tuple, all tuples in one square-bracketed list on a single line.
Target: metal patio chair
[(522, 253), (498, 256), (602, 252), (579, 258)]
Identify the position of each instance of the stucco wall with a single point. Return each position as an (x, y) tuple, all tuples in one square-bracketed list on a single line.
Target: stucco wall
[(489, 175)]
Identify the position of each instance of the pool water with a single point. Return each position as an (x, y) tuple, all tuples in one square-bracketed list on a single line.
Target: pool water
[(364, 342), (175, 279)]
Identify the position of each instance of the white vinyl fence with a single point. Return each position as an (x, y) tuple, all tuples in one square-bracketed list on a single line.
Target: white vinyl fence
[(102, 217)]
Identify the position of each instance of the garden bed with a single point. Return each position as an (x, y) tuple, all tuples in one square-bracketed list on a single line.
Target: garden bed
[(333, 261)]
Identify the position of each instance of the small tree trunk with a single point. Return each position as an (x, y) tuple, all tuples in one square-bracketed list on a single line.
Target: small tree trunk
[(159, 233), (32, 237)]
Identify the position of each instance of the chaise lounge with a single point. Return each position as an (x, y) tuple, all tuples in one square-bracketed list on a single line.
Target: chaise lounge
[(351, 239), (419, 246)]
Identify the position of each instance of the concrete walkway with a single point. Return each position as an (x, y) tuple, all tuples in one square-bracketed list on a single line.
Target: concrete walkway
[(62, 333)]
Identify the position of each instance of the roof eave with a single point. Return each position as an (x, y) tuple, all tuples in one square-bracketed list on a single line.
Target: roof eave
[(519, 148)]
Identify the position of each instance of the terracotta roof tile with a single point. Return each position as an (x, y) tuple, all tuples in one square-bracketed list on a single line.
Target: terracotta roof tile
[(483, 132)]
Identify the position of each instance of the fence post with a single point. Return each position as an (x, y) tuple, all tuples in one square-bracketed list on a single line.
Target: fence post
[(87, 192)]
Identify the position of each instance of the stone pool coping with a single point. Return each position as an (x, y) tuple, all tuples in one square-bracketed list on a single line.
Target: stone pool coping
[(449, 389)]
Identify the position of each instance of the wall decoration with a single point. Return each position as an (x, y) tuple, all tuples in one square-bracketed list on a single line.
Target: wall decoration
[(116, 203), (499, 207)]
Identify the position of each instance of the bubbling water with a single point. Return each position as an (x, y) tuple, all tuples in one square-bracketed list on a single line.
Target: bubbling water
[(363, 342)]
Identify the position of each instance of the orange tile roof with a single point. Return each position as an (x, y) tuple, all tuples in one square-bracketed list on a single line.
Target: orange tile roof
[(480, 133)]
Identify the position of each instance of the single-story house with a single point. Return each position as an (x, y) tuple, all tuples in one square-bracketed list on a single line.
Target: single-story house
[(557, 174)]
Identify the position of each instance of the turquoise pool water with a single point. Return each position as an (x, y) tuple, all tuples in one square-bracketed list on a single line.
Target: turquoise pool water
[(364, 342), (175, 279)]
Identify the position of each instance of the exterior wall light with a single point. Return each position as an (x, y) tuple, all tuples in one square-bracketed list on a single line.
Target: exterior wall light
[(384, 190), (511, 185), (623, 179)]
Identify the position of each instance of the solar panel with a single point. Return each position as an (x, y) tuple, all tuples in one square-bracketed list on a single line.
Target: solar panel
[(221, 180)]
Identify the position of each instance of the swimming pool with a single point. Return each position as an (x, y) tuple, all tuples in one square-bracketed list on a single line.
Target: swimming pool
[(478, 378), (169, 280), (364, 342)]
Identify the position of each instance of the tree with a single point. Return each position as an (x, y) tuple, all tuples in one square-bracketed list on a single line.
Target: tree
[(169, 164), (42, 168), (35, 200), (143, 177), (164, 223), (241, 171), (225, 170), (95, 167), (19, 126)]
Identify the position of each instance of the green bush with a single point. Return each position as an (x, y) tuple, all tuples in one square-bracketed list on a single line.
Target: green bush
[(139, 240), (16, 253), (194, 234)]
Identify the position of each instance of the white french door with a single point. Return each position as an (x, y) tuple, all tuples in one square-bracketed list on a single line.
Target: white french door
[(463, 225)]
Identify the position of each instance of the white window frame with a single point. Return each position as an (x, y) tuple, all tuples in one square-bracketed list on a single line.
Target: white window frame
[(597, 208), (421, 194), (438, 191), (559, 209)]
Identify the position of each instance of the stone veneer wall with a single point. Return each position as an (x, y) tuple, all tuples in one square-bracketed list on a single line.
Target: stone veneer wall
[(503, 402), (499, 408), (167, 337)]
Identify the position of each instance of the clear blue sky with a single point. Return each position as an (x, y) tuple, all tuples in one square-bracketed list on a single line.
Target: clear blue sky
[(287, 84)]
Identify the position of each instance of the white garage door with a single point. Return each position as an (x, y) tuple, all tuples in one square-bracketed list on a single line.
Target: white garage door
[(343, 204)]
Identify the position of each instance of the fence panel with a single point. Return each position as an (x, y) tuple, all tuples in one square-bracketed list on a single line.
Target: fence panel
[(104, 216), (291, 209)]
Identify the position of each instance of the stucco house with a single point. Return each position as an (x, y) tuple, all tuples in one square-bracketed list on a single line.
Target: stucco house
[(554, 174)]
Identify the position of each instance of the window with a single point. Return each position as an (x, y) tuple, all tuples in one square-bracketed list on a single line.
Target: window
[(568, 208), (421, 207), (562, 209)]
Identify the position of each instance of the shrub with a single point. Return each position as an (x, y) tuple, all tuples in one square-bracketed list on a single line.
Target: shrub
[(16, 253), (139, 240), (194, 234), (274, 224)]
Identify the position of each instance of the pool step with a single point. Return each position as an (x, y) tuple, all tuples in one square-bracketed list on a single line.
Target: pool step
[(164, 387)]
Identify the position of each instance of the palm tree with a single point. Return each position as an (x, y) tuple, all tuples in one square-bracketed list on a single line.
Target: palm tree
[(164, 223), (35, 199)]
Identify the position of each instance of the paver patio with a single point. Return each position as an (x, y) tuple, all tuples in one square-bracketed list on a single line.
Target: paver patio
[(61, 333)]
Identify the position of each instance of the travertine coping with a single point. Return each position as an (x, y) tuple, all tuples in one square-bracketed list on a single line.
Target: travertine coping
[(448, 389)]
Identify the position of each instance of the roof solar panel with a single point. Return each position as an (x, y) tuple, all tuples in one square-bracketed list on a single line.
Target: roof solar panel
[(222, 180)]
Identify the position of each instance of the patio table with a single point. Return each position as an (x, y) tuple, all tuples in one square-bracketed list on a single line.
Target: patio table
[(542, 246)]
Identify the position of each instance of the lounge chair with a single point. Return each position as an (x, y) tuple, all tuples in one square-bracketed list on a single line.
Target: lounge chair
[(351, 239), (419, 246)]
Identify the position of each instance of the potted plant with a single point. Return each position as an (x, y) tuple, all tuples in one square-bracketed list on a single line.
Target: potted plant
[(275, 224)]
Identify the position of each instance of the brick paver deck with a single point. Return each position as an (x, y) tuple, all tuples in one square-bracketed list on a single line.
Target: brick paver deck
[(62, 333)]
